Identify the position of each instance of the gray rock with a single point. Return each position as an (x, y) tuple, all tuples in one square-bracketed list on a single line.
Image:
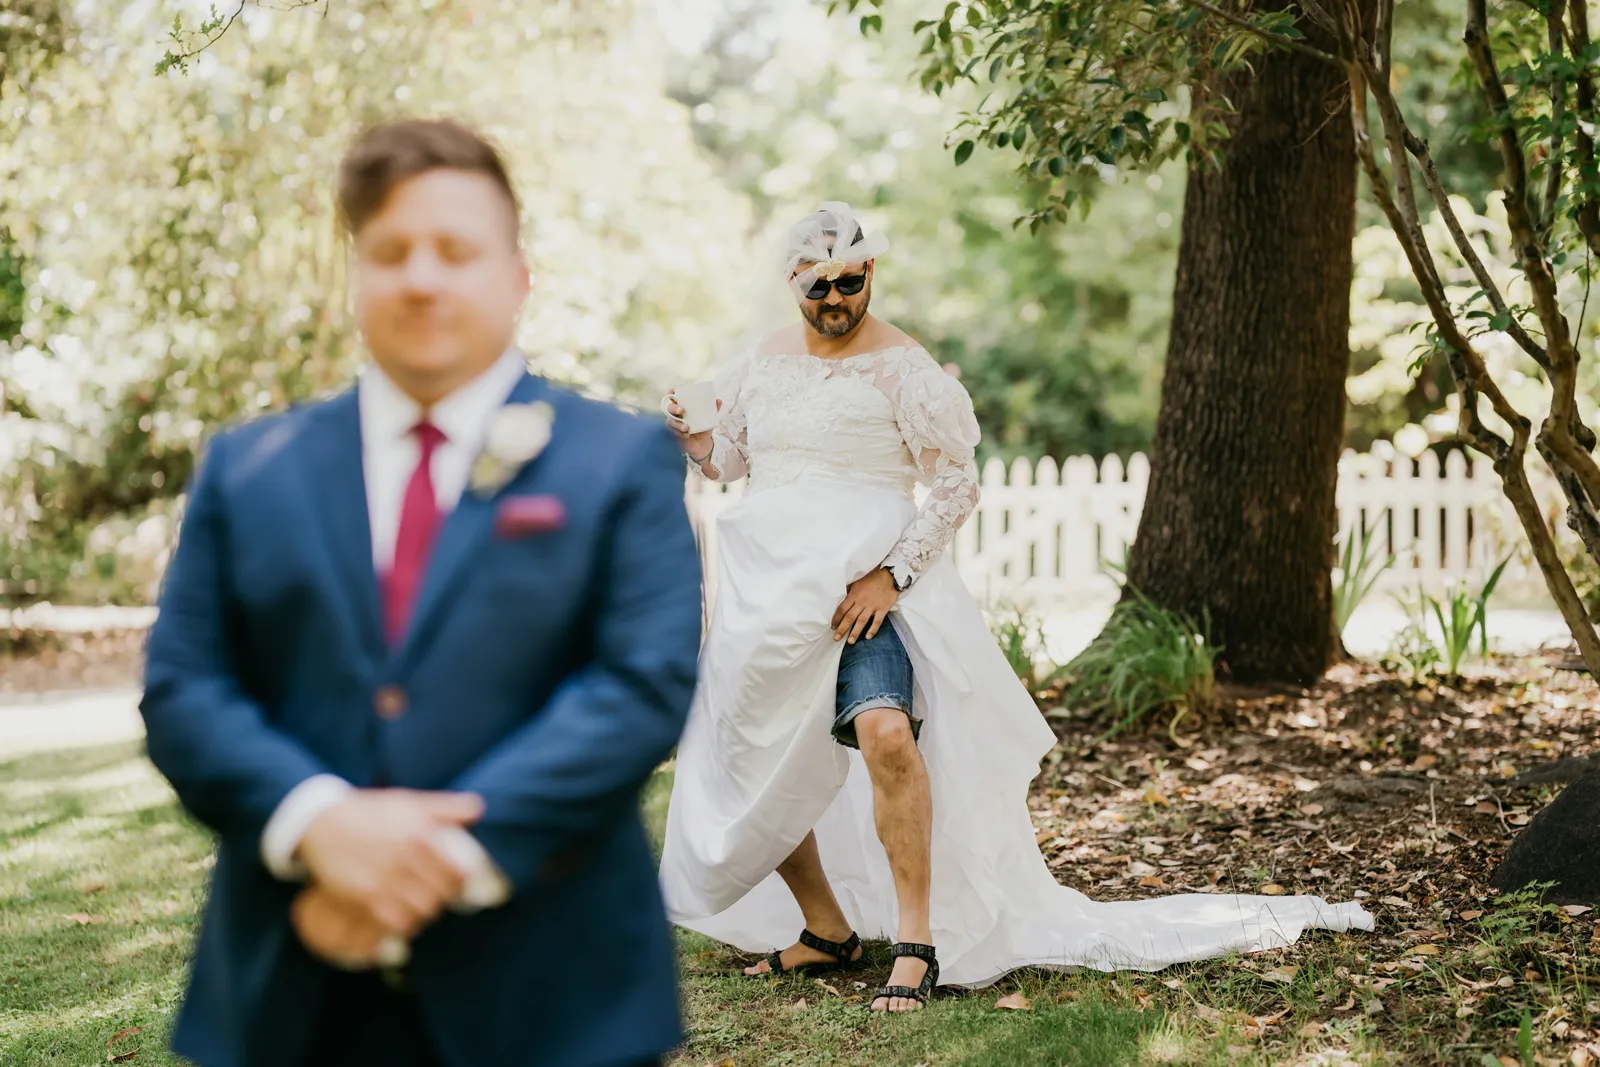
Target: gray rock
[(1560, 845), (1559, 772), (1360, 792)]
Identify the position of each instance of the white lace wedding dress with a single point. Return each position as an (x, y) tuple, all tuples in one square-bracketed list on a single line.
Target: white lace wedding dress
[(833, 450)]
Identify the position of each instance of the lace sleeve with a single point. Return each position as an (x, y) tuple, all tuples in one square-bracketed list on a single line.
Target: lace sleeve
[(730, 441), (936, 420)]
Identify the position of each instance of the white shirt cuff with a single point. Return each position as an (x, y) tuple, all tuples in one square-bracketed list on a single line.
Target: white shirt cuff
[(291, 820), (486, 885)]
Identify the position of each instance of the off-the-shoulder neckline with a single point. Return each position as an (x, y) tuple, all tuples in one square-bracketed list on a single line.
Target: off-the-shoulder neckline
[(845, 359)]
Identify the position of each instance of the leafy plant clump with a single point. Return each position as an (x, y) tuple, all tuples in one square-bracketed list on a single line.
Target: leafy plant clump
[(1359, 571), (1021, 639), (1148, 659)]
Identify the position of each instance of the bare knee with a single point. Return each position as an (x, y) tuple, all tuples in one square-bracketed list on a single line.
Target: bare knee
[(886, 737)]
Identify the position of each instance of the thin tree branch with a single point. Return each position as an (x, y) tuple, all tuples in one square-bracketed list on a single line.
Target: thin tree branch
[(1558, 111), (1383, 27), (1267, 35), (1563, 368), (1588, 213), (181, 58), (1471, 375), (1441, 199), (1319, 15)]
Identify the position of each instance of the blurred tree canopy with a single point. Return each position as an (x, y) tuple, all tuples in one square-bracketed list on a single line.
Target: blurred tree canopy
[(177, 249), (169, 258)]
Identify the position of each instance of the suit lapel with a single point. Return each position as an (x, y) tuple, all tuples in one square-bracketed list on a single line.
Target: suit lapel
[(333, 470), (460, 539)]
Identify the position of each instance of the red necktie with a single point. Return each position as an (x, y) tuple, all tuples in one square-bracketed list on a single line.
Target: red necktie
[(419, 522)]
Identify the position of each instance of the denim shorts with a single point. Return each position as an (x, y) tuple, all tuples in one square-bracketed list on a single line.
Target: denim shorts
[(873, 673)]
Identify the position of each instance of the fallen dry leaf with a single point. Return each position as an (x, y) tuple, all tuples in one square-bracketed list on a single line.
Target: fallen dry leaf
[(1311, 1030), (1486, 808), (1576, 910), (1373, 1006), (1347, 1005), (1311, 809), (1013, 1002), (1151, 882), (1265, 1021), (1281, 974), (1425, 950), (1468, 916), (112, 1054), (1519, 820), (1272, 889), (800, 1005), (828, 987), (81, 919), (1394, 902)]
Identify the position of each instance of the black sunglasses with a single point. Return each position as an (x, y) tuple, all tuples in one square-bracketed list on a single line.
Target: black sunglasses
[(848, 285)]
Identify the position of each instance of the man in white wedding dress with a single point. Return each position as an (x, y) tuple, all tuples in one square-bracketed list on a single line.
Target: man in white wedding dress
[(859, 751)]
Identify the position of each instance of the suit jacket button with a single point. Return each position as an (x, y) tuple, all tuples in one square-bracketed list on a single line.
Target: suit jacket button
[(389, 702)]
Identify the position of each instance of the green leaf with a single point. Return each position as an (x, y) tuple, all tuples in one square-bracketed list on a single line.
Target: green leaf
[(870, 23), (974, 17), (1003, 140), (1019, 135), (994, 68), (1058, 166), (1182, 130), (964, 152)]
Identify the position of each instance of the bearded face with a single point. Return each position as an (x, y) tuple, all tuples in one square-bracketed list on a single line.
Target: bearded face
[(835, 307)]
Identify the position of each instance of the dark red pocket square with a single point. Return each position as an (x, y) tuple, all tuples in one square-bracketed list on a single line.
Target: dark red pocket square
[(524, 516)]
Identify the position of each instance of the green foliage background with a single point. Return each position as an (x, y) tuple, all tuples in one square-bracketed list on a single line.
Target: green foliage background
[(169, 259)]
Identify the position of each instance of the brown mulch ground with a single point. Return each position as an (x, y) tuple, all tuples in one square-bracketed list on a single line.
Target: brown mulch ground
[(1364, 786)]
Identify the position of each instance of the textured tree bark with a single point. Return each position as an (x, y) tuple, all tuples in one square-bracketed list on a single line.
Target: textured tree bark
[(1239, 517)]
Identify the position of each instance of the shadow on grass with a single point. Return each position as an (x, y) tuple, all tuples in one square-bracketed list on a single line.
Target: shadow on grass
[(100, 884)]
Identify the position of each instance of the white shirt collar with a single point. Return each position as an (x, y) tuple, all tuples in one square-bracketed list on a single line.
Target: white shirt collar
[(388, 413)]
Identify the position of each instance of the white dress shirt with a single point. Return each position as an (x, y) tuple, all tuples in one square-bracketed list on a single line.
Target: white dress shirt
[(389, 456)]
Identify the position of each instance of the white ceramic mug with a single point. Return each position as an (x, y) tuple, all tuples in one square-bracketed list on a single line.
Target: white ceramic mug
[(699, 403)]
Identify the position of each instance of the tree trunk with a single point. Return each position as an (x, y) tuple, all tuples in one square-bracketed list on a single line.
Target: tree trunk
[(1239, 517)]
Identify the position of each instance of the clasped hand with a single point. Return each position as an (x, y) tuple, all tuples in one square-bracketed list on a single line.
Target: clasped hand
[(377, 870)]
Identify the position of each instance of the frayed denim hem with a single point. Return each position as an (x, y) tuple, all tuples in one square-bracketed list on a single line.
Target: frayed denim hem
[(844, 724)]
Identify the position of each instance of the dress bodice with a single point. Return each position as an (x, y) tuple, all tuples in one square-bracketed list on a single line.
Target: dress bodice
[(886, 419)]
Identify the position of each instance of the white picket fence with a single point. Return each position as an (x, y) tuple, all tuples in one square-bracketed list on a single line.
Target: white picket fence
[(1043, 532)]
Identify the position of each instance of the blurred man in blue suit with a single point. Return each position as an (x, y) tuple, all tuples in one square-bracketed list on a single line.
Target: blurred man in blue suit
[(418, 650)]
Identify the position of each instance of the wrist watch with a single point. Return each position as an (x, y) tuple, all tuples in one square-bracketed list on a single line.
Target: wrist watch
[(902, 586)]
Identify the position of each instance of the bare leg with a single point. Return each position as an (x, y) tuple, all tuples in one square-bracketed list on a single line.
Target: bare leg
[(802, 872), (902, 807)]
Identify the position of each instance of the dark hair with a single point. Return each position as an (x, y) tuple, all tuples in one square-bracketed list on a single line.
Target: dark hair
[(384, 156)]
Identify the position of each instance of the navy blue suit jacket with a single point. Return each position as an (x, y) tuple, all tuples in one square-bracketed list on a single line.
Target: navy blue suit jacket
[(550, 673)]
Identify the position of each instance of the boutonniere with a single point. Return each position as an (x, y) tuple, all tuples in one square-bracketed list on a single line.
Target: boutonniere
[(518, 433)]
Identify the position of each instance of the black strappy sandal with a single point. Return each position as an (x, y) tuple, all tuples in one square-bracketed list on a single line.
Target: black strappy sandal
[(905, 992), (842, 951)]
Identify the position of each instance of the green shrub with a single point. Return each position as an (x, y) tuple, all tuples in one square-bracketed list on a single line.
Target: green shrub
[(1146, 660)]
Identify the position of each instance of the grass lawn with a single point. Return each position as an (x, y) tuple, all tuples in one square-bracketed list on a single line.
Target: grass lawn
[(101, 878)]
